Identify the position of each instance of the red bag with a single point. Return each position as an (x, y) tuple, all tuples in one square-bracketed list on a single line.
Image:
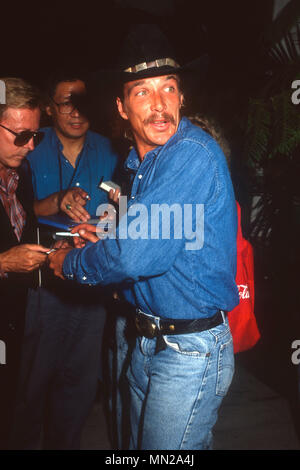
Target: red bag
[(241, 319)]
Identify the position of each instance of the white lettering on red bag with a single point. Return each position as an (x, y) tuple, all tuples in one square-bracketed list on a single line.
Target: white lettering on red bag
[(243, 291)]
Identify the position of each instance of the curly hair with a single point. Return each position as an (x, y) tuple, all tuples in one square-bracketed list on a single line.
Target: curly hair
[(210, 126)]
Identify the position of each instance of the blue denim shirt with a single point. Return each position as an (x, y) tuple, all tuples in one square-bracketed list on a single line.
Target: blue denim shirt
[(97, 160), (161, 275)]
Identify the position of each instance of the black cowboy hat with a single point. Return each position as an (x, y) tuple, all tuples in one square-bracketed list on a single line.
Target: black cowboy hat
[(147, 52)]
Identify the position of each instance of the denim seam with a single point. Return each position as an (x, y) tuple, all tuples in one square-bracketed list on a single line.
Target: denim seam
[(198, 398), (209, 154), (219, 391), (220, 335), (191, 261)]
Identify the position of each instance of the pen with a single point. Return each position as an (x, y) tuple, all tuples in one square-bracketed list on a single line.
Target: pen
[(51, 251), (67, 234)]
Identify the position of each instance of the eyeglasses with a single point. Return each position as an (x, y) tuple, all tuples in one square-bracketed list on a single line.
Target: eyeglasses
[(22, 138), (64, 108)]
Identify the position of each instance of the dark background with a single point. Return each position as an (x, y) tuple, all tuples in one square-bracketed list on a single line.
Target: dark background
[(35, 40)]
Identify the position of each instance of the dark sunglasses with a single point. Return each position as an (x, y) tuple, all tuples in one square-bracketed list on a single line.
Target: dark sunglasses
[(22, 138)]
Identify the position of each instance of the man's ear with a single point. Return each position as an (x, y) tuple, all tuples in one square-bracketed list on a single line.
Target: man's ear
[(48, 110), (182, 100), (121, 109)]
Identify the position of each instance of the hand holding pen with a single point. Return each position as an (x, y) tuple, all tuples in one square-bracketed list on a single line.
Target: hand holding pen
[(23, 258), (59, 244)]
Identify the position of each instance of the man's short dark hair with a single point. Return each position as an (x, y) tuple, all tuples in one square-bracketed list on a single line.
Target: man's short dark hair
[(62, 76)]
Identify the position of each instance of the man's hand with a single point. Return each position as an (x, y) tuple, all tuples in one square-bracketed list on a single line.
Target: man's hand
[(62, 244), (72, 204), (56, 260), (114, 195), (23, 258), (70, 201), (87, 232)]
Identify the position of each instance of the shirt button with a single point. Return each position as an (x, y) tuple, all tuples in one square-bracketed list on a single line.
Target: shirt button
[(84, 278), (140, 177), (132, 197), (77, 184)]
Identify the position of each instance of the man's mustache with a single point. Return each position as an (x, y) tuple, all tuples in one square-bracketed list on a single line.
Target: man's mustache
[(155, 117)]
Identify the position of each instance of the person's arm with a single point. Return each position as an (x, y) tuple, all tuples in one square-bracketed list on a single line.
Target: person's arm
[(190, 179), (47, 206), (71, 202), (87, 233), (23, 258)]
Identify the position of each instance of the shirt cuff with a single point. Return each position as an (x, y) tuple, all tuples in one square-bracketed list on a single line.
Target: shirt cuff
[(74, 267)]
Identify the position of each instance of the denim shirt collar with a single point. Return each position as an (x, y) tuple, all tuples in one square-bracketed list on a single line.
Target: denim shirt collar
[(133, 161)]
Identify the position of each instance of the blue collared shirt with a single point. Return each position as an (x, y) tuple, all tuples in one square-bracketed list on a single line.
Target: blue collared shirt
[(160, 274), (97, 159)]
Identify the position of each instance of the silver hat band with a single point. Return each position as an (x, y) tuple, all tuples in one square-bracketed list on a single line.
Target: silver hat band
[(154, 63)]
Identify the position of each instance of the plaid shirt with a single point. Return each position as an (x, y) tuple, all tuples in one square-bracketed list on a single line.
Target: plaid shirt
[(12, 206)]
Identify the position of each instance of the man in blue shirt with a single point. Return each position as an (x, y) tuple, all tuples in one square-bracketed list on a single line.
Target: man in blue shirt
[(176, 267), (69, 163), (63, 337)]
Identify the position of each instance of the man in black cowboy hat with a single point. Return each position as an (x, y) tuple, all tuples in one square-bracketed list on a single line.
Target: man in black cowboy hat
[(176, 261)]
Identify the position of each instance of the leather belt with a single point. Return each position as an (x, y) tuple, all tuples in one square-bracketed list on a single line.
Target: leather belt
[(147, 327)]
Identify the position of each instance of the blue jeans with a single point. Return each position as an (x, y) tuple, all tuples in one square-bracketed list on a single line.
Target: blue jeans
[(60, 364), (176, 393), (123, 334)]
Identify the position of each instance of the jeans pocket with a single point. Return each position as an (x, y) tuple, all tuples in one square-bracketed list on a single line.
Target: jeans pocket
[(225, 368), (191, 344)]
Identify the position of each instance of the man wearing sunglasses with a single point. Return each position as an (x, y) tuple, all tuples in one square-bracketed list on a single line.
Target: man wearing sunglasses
[(62, 364), (20, 254)]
